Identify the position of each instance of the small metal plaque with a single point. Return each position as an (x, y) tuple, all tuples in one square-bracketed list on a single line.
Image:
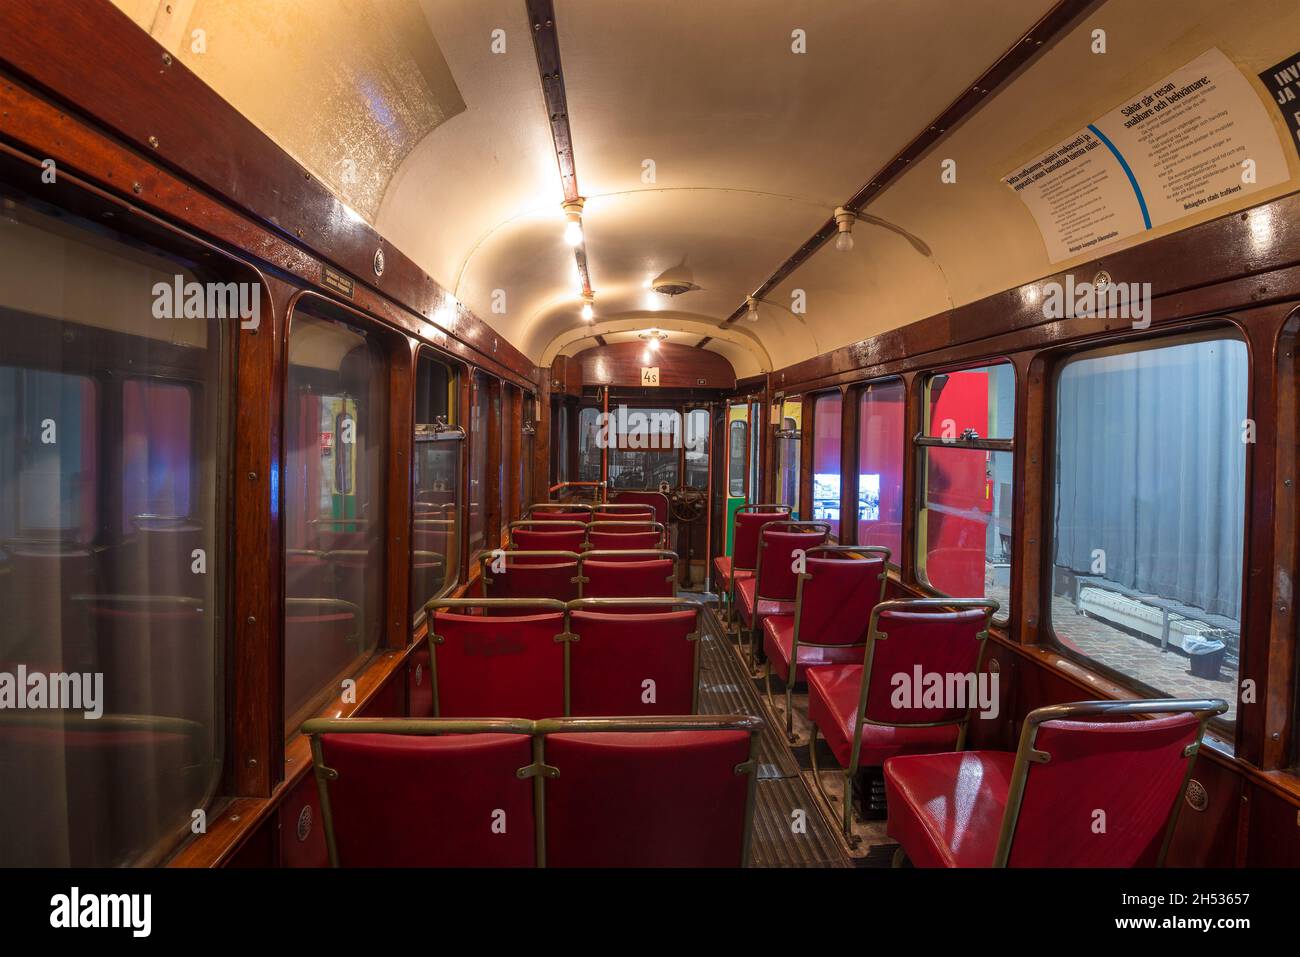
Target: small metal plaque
[(333, 279), (304, 822), (1198, 799)]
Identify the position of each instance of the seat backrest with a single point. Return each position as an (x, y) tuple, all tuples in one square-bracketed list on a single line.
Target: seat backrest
[(777, 543), (837, 594), (633, 574), (548, 536), (744, 540), (920, 639), (529, 575), (656, 500), (670, 798), (642, 661), (497, 664), (624, 513), (1127, 776), (622, 536), (448, 800)]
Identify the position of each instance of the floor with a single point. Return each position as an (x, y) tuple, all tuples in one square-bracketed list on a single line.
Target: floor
[(793, 825)]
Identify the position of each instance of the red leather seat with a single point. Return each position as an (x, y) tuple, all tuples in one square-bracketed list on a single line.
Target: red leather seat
[(742, 561), (946, 809), (624, 541), (546, 540), (530, 575), (950, 810), (909, 638), (745, 599), (775, 584), (633, 664), (652, 799), (834, 598), (639, 575), (497, 665), (833, 694), (430, 800), (778, 641)]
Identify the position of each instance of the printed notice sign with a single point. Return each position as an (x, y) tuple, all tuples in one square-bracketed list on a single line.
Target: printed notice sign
[(1283, 81), (1198, 138), (649, 375)]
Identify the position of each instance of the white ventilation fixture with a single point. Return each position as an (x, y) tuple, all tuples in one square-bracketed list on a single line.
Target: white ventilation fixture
[(674, 282)]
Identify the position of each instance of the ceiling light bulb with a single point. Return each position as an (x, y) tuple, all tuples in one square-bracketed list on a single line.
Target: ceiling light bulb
[(573, 232), (844, 241), (752, 313), (653, 344), (844, 220), (587, 311)]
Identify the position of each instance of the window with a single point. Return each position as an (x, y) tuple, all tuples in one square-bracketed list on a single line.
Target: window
[(964, 525), (647, 448), (589, 450), (788, 437), (112, 544), (826, 460), (737, 452), (1148, 514), (881, 420), (435, 518), (336, 415), (478, 442), (697, 448)]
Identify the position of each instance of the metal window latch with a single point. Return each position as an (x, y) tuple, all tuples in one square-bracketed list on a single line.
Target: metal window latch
[(440, 424), (969, 434)]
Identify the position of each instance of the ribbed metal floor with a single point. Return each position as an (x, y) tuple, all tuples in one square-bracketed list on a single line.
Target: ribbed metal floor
[(789, 829)]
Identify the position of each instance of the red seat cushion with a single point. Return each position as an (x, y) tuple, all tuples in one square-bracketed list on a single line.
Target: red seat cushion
[(722, 572), (833, 692), (778, 639), (946, 809), (745, 588)]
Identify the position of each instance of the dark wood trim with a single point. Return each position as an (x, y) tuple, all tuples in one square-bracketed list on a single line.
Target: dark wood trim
[(803, 492), (1038, 39), (600, 340), (492, 486), (514, 409), (401, 449), (849, 464), (100, 65), (703, 342)]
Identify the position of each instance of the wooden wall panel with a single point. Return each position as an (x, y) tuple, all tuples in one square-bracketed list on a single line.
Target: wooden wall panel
[(680, 366)]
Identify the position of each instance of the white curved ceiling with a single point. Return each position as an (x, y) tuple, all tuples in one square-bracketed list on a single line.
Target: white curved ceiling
[(752, 145)]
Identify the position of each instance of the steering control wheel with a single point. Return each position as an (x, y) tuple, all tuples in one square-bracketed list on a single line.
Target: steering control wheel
[(687, 504)]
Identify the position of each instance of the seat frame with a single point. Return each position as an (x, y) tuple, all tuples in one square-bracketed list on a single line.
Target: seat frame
[(629, 528), (804, 576), (754, 626), (597, 554), (486, 557), (874, 635), (728, 595), (539, 771), (1028, 754)]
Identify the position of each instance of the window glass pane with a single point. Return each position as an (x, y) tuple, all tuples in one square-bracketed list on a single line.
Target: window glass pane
[(697, 448), (478, 436), (881, 420), (112, 546), (1150, 491), (787, 454), (435, 558), (737, 450), (336, 413), (964, 527), (588, 447), (971, 403), (826, 460), (647, 448)]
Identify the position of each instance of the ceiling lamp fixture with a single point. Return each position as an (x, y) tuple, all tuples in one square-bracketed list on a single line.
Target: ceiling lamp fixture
[(653, 338), (751, 309), (587, 311), (573, 213), (844, 220)]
